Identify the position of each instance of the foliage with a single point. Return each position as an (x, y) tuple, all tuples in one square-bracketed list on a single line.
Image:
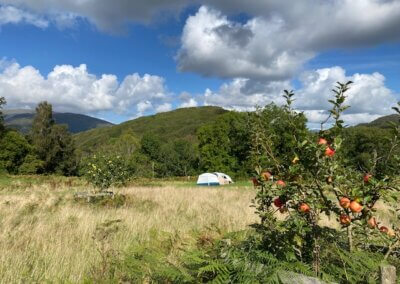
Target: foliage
[(304, 179), (53, 143), (168, 126), (224, 144), (14, 149), (104, 171), (2, 103)]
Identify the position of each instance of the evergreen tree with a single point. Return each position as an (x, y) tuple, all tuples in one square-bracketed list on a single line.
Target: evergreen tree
[(2, 127), (53, 143)]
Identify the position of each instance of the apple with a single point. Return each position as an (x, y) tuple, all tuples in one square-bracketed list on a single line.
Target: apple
[(367, 177), (355, 207), (281, 183), (322, 141), (266, 175), (384, 229), (345, 219), (344, 202), (255, 181), (278, 202), (304, 208), (329, 152), (372, 222)]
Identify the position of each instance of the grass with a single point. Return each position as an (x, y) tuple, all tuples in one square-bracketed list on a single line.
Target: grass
[(46, 236)]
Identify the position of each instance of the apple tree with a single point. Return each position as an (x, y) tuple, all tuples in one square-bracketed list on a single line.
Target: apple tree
[(309, 181)]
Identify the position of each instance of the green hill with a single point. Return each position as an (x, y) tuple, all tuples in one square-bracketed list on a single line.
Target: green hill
[(22, 120), (382, 122), (180, 123)]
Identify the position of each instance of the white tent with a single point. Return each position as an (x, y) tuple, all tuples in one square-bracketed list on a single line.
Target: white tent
[(214, 179)]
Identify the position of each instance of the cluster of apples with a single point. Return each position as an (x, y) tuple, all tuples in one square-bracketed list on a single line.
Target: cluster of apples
[(354, 207), (329, 152), (278, 202)]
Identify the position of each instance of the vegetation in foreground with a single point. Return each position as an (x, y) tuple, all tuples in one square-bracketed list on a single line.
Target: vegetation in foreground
[(313, 201)]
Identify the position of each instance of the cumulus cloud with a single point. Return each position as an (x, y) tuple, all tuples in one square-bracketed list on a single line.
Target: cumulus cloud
[(187, 100), (280, 36), (74, 89), (214, 46), (368, 97)]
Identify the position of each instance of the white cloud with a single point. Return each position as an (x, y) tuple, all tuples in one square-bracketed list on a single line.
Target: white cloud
[(74, 89), (187, 100), (245, 94), (13, 15), (368, 97), (214, 46), (280, 36)]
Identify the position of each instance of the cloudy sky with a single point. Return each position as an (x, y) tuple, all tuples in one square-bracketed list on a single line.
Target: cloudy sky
[(122, 59)]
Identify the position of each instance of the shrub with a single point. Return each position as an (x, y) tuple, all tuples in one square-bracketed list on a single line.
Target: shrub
[(104, 171)]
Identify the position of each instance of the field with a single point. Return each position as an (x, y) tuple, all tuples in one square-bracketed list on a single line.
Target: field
[(47, 236)]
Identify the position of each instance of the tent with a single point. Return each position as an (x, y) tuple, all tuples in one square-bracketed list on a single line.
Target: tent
[(213, 179)]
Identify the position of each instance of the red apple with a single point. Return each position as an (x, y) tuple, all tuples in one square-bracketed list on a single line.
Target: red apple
[(329, 152), (278, 202), (345, 219), (344, 202), (281, 183), (367, 177), (355, 207), (304, 208), (266, 175), (322, 141), (255, 181), (384, 229)]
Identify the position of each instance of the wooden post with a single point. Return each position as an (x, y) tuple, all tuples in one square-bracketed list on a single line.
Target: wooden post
[(388, 274)]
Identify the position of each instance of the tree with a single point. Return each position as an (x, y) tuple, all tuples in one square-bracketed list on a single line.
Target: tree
[(14, 149), (224, 145), (53, 143), (2, 127)]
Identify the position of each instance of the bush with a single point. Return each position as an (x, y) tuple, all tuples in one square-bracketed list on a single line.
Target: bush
[(104, 171)]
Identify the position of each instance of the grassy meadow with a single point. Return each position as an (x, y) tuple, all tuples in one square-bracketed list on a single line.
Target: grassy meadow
[(47, 236)]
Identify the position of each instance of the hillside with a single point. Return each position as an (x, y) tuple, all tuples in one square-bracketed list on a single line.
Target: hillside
[(180, 123), (22, 120), (382, 122)]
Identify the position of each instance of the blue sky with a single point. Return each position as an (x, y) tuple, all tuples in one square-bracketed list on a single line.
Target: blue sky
[(219, 52)]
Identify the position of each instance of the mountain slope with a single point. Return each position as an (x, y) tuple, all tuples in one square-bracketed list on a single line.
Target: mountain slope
[(180, 123), (382, 122), (22, 120)]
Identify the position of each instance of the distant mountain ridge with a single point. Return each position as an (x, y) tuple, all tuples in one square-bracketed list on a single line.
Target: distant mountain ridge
[(22, 120)]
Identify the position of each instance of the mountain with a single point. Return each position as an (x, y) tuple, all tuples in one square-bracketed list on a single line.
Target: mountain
[(179, 123), (22, 120), (382, 122)]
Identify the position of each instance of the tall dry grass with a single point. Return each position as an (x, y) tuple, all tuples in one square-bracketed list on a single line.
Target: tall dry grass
[(46, 236)]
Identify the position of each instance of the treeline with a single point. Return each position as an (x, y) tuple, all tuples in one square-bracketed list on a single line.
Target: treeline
[(226, 145), (47, 149)]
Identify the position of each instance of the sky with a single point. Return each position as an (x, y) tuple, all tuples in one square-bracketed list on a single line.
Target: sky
[(123, 59)]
